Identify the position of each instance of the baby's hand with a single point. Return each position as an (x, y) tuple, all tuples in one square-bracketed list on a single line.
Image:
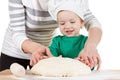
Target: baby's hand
[(83, 61)]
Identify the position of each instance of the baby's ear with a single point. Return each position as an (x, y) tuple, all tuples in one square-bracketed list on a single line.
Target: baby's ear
[(82, 24)]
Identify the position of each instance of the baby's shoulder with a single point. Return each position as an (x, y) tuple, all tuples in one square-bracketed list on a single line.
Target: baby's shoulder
[(58, 37)]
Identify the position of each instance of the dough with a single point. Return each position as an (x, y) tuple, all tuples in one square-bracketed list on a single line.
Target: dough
[(17, 70), (60, 67)]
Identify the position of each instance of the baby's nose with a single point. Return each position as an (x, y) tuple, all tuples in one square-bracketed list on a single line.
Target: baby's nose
[(68, 25)]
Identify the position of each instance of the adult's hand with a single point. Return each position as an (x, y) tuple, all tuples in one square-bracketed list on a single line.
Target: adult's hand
[(90, 57), (40, 53), (37, 51)]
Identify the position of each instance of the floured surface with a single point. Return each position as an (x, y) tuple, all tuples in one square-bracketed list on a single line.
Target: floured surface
[(94, 75)]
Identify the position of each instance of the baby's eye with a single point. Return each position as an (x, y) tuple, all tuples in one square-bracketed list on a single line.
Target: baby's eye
[(62, 23), (72, 22)]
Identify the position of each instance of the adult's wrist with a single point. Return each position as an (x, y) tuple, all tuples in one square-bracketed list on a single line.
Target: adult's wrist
[(90, 46), (28, 46)]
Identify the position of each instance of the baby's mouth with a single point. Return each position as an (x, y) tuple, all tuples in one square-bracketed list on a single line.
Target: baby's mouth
[(69, 31)]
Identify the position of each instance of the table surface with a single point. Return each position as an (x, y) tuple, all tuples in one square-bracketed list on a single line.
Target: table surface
[(94, 75)]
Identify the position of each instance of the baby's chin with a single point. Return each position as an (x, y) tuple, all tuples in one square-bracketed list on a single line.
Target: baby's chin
[(71, 35)]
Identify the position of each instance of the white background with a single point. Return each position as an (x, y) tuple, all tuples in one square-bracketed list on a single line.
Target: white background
[(107, 12)]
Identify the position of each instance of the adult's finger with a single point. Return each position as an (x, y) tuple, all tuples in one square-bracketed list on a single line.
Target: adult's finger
[(90, 59), (86, 60), (32, 61), (95, 61), (99, 63), (92, 64)]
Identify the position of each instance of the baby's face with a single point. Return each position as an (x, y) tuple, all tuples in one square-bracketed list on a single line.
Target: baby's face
[(69, 23)]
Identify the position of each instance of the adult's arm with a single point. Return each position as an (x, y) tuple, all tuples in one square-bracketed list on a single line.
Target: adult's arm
[(17, 22), (89, 53), (17, 26)]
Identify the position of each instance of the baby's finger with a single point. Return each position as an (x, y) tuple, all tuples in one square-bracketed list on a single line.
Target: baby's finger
[(85, 60), (48, 52), (81, 58), (44, 57), (88, 64)]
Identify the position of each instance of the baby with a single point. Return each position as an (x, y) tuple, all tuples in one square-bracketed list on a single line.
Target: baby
[(69, 15)]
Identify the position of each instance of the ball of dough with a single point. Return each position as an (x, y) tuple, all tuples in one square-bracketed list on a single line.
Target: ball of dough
[(60, 67), (17, 70)]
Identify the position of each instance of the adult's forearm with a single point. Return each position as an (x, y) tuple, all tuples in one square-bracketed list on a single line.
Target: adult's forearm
[(26, 46), (29, 46), (94, 37)]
